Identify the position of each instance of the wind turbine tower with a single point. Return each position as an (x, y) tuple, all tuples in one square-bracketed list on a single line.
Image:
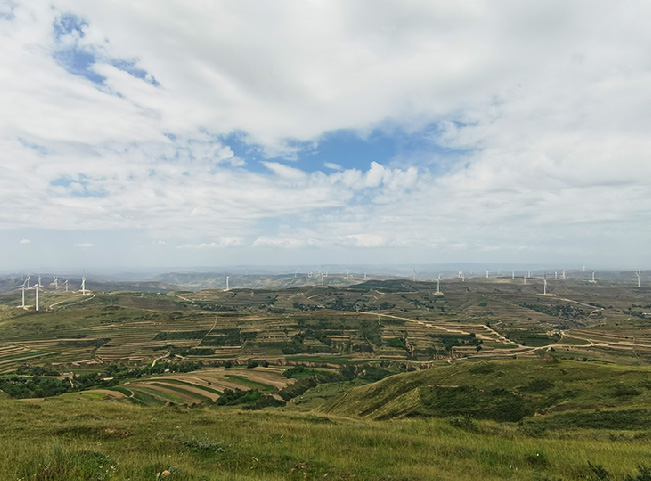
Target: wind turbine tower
[(639, 279), (563, 275), (56, 283), (414, 278), (22, 294), (438, 285), (83, 286), (556, 275), (486, 273), (226, 282), (66, 284), (512, 274), (593, 276), (544, 287), (36, 300)]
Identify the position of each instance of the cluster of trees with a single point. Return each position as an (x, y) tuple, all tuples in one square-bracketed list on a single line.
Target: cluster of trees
[(45, 381), (251, 399), (21, 387)]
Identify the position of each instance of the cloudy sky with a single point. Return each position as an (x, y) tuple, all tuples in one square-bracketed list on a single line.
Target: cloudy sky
[(159, 133)]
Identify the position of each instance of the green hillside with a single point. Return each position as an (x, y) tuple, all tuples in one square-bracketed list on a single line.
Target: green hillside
[(544, 393)]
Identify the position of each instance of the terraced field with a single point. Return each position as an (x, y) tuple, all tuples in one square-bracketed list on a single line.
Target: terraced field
[(197, 387), (377, 320)]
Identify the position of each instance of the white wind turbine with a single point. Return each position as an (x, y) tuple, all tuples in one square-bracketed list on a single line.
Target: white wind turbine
[(639, 279), (544, 287), (83, 286), (36, 299), (66, 284), (22, 292), (438, 285)]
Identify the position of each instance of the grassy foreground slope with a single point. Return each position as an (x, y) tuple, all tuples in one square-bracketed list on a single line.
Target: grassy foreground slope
[(82, 437), (541, 392)]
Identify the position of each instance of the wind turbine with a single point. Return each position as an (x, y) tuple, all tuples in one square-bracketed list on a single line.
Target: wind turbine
[(66, 284), (36, 300), (83, 286), (438, 285), (512, 274), (414, 278), (226, 282), (556, 275), (593, 276), (56, 283), (544, 286), (486, 273), (563, 275), (22, 293), (639, 279)]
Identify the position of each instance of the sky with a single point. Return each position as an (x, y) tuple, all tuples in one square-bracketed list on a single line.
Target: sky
[(177, 134)]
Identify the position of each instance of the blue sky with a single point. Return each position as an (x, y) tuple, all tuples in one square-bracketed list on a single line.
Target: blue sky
[(162, 134)]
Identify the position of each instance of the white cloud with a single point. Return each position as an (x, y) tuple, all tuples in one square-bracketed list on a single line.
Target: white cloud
[(219, 244), (549, 100), (25, 241), (332, 166), (84, 245)]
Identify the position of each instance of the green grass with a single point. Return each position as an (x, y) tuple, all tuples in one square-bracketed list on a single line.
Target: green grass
[(118, 441), (452, 422), (500, 390)]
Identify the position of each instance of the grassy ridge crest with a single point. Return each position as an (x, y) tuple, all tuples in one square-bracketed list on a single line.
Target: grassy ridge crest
[(505, 391)]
